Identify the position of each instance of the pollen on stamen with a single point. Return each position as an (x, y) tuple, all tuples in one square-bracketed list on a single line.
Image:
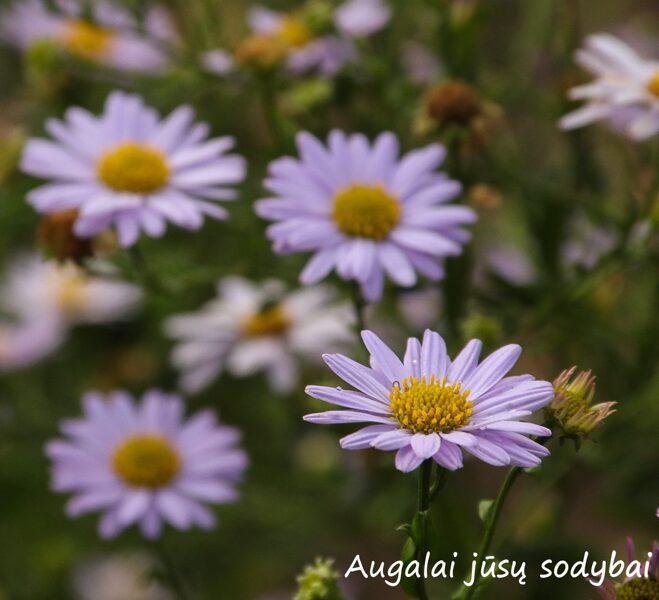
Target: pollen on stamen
[(427, 405)]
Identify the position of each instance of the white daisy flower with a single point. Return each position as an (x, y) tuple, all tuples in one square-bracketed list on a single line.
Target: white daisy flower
[(131, 169), (625, 91), (143, 463), (253, 327), (114, 39), (63, 293)]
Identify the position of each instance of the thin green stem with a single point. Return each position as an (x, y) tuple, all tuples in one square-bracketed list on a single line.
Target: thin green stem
[(360, 306), (490, 526), (170, 572), (276, 127), (425, 473), (150, 279)]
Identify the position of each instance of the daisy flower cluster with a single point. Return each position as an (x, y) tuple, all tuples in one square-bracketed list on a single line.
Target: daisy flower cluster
[(304, 40), (364, 196)]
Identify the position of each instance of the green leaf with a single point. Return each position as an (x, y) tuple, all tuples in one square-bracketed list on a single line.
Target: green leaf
[(484, 507)]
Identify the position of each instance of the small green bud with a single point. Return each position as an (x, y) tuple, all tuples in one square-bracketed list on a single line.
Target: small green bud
[(318, 582)]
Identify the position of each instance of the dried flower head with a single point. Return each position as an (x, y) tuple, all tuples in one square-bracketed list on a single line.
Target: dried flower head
[(260, 52), (56, 237), (453, 103), (572, 408)]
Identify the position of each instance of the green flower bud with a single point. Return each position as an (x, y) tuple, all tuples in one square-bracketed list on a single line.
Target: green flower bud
[(318, 582)]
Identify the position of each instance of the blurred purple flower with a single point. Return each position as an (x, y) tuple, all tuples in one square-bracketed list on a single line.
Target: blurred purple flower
[(635, 588), (364, 211), (25, 343), (625, 92), (141, 463), (115, 38), (428, 406), (132, 170), (360, 18)]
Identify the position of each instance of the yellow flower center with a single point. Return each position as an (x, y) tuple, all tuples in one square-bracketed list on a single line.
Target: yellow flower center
[(365, 211), (653, 85), (271, 321), (70, 293), (293, 32), (85, 39), (134, 168), (146, 461), (638, 589), (430, 406)]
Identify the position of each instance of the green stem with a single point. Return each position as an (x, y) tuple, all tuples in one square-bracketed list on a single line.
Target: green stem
[(172, 576), (466, 593), (266, 85), (360, 306), (150, 279), (425, 472)]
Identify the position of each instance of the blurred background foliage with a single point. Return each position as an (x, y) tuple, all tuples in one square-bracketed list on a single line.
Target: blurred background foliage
[(538, 192)]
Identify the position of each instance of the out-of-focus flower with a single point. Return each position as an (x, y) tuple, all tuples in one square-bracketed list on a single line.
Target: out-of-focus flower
[(635, 588), (219, 62), (625, 91), (484, 196), (132, 170), (428, 406), (587, 243), (25, 343), (360, 18), (304, 39), (456, 107), (572, 408), (142, 463), (253, 327), (420, 308), (510, 263), (303, 50), (364, 211), (64, 293), (114, 38), (319, 582), (420, 63), (119, 577), (57, 239)]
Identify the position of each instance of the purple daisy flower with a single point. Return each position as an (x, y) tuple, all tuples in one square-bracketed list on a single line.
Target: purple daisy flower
[(364, 211), (142, 463), (427, 406), (132, 170), (635, 588)]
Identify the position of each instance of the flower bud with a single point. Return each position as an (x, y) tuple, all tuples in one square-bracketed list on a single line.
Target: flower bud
[(453, 103), (318, 582), (572, 408)]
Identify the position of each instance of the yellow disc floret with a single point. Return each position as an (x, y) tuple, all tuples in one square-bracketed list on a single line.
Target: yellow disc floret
[(85, 39), (430, 405), (366, 211), (146, 461), (642, 588), (271, 321), (653, 85), (134, 168), (293, 32)]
